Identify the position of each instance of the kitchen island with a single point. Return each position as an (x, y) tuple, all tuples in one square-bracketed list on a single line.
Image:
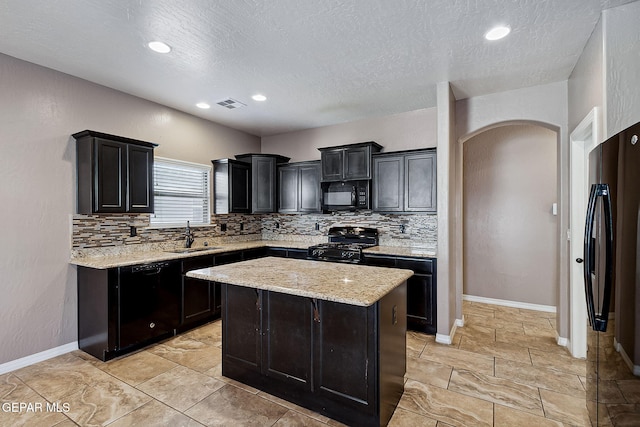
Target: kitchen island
[(330, 337)]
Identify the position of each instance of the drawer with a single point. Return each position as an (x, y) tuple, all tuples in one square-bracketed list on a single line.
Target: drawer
[(197, 263), (228, 258), (418, 265), (380, 261)]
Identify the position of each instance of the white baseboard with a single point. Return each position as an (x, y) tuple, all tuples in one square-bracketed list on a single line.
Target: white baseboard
[(38, 357), (460, 322), (447, 339), (564, 342), (507, 303)]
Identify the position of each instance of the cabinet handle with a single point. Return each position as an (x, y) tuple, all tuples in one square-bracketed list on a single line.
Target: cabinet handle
[(316, 313)]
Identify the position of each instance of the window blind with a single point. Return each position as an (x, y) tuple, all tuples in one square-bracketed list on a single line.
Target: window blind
[(181, 193)]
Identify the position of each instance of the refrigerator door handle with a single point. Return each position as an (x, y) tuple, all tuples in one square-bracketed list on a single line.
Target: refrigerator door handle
[(598, 321)]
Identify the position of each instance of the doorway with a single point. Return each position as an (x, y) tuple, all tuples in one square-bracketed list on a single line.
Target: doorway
[(510, 226), (583, 139)]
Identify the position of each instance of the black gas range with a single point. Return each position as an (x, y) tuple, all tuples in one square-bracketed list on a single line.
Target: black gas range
[(345, 244)]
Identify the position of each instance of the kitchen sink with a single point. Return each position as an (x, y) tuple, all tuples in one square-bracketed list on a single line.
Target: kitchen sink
[(189, 250)]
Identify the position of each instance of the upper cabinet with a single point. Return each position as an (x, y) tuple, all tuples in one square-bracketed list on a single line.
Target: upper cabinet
[(347, 162), (231, 186), (263, 180), (247, 184), (299, 187), (405, 181), (114, 174)]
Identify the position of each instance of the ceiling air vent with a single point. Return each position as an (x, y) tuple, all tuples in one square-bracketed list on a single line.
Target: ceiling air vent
[(231, 103)]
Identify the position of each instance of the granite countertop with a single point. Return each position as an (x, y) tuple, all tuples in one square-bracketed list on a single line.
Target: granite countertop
[(346, 283), (124, 256)]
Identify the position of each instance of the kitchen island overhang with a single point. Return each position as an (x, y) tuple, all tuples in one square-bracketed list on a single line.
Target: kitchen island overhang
[(327, 336)]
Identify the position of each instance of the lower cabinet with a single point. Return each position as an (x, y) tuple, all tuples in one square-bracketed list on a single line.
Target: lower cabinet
[(288, 252), (345, 361), (198, 296), (421, 289)]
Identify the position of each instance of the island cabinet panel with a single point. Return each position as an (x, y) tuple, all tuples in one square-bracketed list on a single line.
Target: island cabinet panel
[(242, 326), (346, 341), (344, 361), (287, 338)]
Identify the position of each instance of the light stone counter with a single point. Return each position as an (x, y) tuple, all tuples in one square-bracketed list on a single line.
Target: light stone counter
[(122, 256), (401, 251), (346, 283)]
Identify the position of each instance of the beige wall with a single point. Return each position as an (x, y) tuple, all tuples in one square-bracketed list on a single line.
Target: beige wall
[(586, 83), (510, 244), (39, 110), (545, 105), (405, 131)]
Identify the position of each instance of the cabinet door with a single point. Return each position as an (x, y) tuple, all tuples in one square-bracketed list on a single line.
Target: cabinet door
[(288, 189), (287, 342), (197, 295), (421, 303), (263, 186), (110, 175), (388, 183), (309, 195), (357, 163), (332, 164), (239, 191), (140, 179), (344, 363), (242, 327), (420, 182)]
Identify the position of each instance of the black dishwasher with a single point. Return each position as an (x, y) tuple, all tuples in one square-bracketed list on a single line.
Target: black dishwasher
[(149, 299)]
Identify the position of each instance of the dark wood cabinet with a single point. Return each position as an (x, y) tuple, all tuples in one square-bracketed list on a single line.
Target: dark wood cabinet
[(287, 339), (405, 181), (299, 187), (231, 186), (122, 309), (198, 296), (263, 180), (344, 361), (114, 174), (421, 289), (347, 162)]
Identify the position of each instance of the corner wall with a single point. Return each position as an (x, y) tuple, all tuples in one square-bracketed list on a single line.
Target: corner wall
[(39, 110)]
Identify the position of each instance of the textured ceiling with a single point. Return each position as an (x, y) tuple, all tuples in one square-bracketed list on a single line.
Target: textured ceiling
[(318, 62)]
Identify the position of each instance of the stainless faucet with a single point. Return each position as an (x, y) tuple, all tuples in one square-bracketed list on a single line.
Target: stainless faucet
[(188, 237)]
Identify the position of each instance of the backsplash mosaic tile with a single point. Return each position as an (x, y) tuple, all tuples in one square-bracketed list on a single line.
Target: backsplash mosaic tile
[(99, 231), (395, 230), (112, 231)]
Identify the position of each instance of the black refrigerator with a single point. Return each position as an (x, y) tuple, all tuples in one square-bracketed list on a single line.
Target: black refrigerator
[(612, 281)]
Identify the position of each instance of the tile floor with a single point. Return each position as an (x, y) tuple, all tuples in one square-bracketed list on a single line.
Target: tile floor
[(503, 369)]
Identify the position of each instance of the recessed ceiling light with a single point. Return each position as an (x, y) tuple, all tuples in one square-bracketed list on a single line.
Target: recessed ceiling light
[(496, 33), (203, 105), (259, 97), (159, 47)]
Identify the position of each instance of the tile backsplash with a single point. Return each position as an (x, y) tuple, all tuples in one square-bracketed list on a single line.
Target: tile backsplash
[(103, 231)]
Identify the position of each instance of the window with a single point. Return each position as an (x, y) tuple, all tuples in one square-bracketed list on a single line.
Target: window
[(181, 192)]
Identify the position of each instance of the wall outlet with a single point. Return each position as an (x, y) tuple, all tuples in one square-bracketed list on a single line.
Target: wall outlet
[(133, 231), (223, 227), (317, 226), (241, 226), (277, 225)]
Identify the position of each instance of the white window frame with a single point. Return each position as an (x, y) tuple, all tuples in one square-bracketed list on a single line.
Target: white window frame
[(176, 196)]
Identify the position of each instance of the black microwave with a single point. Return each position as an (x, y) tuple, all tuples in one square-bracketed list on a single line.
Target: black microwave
[(346, 195)]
